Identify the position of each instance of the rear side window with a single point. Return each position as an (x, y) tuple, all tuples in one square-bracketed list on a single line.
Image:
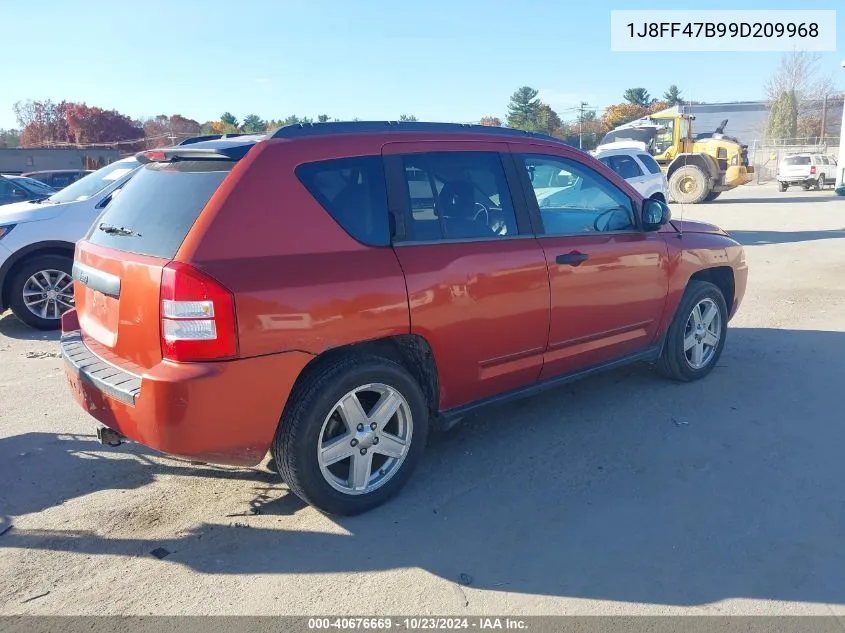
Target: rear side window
[(353, 192), (158, 206), (649, 163)]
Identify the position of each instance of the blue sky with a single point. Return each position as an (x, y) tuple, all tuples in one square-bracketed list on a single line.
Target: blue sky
[(454, 60)]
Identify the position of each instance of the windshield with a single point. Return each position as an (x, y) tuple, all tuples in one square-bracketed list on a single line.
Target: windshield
[(34, 186), (92, 184)]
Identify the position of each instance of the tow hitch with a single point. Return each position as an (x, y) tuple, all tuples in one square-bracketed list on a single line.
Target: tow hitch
[(109, 437)]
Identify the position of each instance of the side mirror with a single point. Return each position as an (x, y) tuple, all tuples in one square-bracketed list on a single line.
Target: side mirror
[(655, 214)]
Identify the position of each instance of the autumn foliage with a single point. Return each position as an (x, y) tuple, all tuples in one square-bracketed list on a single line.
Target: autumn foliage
[(491, 121), (45, 123), (622, 113)]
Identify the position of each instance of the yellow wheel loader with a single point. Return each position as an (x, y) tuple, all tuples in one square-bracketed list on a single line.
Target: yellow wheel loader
[(697, 169)]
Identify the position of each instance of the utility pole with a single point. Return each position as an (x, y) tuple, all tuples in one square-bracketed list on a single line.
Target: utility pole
[(581, 124), (824, 117)]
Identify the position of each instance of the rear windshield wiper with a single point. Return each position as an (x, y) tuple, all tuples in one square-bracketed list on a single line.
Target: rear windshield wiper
[(117, 230)]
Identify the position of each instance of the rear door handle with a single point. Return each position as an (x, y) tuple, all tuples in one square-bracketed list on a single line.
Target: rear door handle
[(572, 259)]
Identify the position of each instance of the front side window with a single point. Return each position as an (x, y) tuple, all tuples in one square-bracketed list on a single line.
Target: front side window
[(457, 195), (586, 203), (353, 192)]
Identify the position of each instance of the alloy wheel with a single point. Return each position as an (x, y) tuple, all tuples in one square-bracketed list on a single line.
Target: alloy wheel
[(702, 334), (365, 439), (48, 293)]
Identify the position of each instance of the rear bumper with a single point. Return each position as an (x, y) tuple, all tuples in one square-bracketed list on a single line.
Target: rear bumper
[(224, 412), (797, 180)]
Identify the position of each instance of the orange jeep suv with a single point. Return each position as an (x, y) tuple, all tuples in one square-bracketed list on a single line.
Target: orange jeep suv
[(332, 293)]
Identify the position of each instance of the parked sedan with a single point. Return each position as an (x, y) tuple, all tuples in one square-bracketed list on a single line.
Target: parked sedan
[(58, 178), (22, 189), (639, 169)]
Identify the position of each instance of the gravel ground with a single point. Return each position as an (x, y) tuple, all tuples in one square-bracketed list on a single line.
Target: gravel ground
[(620, 494)]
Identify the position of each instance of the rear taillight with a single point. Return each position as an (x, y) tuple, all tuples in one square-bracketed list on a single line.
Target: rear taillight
[(197, 316), (813, 170)]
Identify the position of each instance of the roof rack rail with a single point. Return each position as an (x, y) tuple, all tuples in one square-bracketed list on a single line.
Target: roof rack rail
[(299, 130), (208, 137)]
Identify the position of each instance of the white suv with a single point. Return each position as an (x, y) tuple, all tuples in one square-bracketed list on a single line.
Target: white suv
[(807, 170), (639, 169), (37, 240)]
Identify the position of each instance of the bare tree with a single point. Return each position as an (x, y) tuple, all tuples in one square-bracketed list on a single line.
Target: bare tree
[(796, 92)]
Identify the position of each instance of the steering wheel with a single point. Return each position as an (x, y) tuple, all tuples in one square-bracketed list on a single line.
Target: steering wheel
[(483, 210)]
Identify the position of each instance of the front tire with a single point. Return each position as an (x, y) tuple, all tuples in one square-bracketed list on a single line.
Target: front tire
[(712, 196), (696, 336), (351, 434), (688, 185), (783, 186), (42, 290)]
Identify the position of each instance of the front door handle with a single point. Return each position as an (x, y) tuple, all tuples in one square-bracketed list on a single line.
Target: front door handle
[(572, 259)]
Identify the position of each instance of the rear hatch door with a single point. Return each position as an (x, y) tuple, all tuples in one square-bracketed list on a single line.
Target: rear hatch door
[(795, 167), (118, 265)]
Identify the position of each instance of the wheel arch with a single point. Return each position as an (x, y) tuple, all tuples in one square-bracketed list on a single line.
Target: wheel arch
[(20, 256), (723, 278), (412, 351)]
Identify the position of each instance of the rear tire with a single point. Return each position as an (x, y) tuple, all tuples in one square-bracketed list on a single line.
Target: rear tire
[(39, 271), (314, 420), (783, 186), (688, 185), (712, 196), (678, 360), (819, 182)]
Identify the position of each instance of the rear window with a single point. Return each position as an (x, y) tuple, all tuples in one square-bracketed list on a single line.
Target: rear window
[(158, 206), (649, 163), (797, 160), (353, 192)]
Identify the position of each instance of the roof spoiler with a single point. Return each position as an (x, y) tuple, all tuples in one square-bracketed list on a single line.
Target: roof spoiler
[(208, 137), (170, 154)]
